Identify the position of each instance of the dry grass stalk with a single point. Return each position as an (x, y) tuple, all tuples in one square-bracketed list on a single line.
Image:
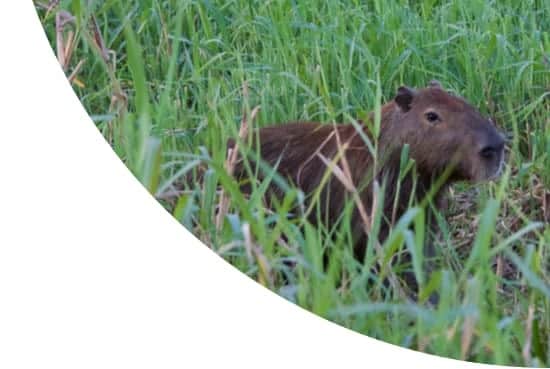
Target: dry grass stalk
[(119, 99), (255, 254), (232, 156), (65, 41), (224, 249), (65, 45), (499, 271), (99, 42), (312, 156), (367, 224), (247, 242), (526, 352), (49, 7), (468, 330), (343, 174), (76, 70)]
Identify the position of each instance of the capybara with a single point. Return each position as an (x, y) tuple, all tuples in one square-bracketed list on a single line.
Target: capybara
[(448, 139)]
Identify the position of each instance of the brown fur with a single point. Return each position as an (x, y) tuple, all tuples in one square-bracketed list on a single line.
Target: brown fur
[(460, 140)]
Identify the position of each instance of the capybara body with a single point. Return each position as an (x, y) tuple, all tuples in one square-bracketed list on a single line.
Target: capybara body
[(446, 136)]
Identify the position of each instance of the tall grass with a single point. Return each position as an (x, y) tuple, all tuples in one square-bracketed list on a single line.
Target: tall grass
[(163, 81)]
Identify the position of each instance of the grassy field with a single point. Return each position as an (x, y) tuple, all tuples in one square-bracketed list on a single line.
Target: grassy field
[(167, 82)]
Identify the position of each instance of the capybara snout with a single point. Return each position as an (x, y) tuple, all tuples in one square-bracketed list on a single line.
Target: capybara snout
[(492, 155)]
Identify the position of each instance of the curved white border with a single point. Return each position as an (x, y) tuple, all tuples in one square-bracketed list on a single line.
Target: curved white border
[(94, 273)]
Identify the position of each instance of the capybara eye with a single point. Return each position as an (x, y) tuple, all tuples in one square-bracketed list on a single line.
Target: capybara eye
[(432, 117)]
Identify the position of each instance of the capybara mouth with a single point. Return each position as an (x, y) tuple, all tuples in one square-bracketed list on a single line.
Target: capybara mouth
[(498, 172), (489, 171)]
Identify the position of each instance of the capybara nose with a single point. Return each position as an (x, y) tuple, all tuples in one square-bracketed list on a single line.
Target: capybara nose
[(494, 148)]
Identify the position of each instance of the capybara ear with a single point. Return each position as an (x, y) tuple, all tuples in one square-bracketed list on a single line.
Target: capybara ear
[(434, 83), (404, 97)]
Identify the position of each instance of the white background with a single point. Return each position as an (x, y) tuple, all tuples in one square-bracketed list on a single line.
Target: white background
[(95, 274)]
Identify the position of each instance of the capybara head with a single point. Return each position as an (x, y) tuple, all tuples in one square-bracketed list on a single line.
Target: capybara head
[(444, 131)]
